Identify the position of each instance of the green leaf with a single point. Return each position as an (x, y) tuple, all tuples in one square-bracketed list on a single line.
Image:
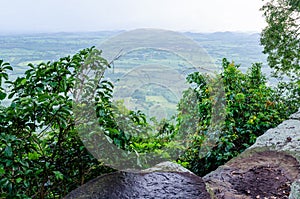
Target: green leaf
[(23, 82), (39, 171), (8, 151), (18, 180), (33, 156), (8, 67), (29, 171), (2, 95), (11, 95), (2, 171), (58, 175)]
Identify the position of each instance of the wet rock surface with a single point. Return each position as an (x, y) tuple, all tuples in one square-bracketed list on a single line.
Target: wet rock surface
[(285, 137), (267, 174), (127, 185), (268, 169), (167, 167)]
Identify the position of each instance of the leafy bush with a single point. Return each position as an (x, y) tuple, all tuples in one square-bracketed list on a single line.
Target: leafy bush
[(252, 107), (41, 153)]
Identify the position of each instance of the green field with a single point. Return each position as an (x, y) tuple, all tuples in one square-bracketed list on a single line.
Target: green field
[(18, 49)]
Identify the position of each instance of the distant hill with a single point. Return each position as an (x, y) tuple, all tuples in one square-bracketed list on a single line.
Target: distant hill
[(20, 49), (243, 48)]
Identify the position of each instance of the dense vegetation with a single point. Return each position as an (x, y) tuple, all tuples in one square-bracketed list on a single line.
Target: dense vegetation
[(252, 107), (42, 155)]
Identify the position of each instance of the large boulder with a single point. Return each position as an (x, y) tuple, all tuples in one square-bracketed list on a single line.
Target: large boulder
[(268, 169), (166, 180)]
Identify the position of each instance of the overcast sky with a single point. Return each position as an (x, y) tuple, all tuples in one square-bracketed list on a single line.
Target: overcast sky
[(97, 15)]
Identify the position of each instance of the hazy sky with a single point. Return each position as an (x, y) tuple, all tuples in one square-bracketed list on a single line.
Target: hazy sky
[(96, 15)]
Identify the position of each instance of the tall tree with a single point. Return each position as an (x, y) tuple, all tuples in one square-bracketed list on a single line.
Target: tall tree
[(281, 42), (281, 37)]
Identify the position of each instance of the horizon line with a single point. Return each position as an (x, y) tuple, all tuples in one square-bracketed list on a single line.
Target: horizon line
[(18, 32)]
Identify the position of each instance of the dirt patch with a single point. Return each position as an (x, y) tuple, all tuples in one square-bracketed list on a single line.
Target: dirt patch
[(261, 175)]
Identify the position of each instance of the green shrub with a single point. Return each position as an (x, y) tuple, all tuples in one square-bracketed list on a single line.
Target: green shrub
[(41, 154), (252, 107)]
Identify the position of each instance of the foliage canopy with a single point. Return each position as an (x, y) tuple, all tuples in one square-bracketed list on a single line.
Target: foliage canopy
[(281, 42)]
